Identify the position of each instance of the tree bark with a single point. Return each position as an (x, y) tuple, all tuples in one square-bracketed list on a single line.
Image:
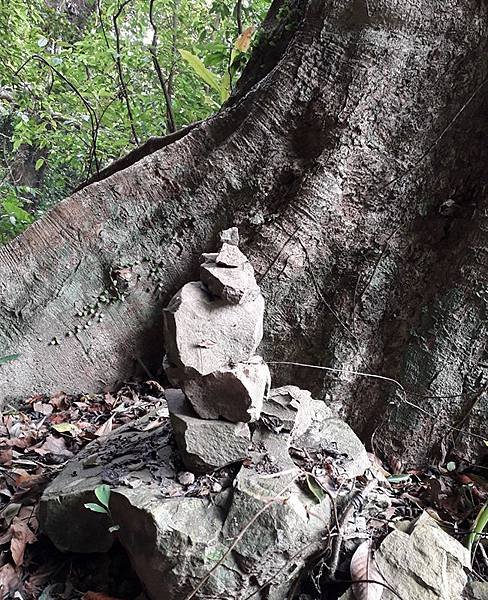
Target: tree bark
[(352, 157)]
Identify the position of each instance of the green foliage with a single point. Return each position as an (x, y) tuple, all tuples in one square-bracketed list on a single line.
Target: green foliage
[(63, 106), (478, 528), (102, 493)]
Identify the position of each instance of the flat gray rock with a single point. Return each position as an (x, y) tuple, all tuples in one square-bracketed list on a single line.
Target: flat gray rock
[(235, 392), (317, 428), (281, 407), (425, 564), (205, 445), (202, 334)]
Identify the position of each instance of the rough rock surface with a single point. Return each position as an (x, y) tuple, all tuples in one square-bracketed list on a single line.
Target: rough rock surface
[(203, 333), (205, 445), (230, 277), (476, 590), (422, 563), (318, 428), (425, 564), (235, 392), (173, 533)]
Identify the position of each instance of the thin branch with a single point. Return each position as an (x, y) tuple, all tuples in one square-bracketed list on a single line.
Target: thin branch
[(153, 49), (118, 62), (239, 16), (91, 112)]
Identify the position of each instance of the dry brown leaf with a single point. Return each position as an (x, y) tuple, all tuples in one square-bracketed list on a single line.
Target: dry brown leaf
[(9, 581), (6, 457), (105, 428), (244, 40), (21, 536), (58, 400), (364, 572), (53, 445)]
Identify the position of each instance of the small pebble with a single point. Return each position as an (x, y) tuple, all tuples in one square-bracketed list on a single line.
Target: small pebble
[(216, 487), (186, 478)]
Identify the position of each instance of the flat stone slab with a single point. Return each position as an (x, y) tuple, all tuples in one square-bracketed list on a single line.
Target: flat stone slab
[(235, 393), (203, 334), (205, 445)]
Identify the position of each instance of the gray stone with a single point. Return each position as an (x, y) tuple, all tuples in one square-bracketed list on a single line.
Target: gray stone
[(203, 334), (425, 564), (235, 392), (230, 256), (476, 590), (205, 445), (279, 540), (280, 409), (230, 236), (317, 428), (236, 285)]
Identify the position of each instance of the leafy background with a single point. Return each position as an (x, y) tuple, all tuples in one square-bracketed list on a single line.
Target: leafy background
[(84, 82)]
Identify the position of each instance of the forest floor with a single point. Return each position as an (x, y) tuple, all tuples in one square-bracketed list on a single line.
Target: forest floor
[(38, 437)]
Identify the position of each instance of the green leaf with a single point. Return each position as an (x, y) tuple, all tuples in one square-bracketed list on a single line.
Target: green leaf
[(96, 508), (478, 528), (315, 488), (398, 478), (225, 87), (102, 492), (200, 69), (65, 428), (9, 358), (39, 163)]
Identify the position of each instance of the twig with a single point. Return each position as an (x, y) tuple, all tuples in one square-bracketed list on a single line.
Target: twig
[(346, 513), (118, 63), (239, 16), (170, 117), (381, 378)]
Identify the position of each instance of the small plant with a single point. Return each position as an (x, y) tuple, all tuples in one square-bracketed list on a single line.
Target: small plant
[(102, 492), (478, 527), (222, 85)]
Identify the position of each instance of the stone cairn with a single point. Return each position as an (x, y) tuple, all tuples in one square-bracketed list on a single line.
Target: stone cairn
[(212, 330), (178, 527)]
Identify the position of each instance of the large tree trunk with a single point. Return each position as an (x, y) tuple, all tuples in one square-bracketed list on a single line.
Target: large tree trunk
[(353, 159)]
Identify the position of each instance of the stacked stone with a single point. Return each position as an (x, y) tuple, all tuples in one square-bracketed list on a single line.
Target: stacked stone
[(213, 328)]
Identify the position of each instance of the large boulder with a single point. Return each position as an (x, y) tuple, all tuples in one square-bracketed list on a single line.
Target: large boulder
[(174, 533), (203, 334), (234, 392), (205, 445)]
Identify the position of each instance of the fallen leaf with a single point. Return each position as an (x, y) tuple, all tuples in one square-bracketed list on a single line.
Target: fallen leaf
[(53, 445), (9, 581), (6, 457), (43, 408), (364, 572), (66, 428), (58, 400), (21, 536), (105, 428)]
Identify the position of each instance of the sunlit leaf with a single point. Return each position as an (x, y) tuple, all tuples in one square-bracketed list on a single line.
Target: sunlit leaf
[(95, 507), (102, 492), (201, 70)]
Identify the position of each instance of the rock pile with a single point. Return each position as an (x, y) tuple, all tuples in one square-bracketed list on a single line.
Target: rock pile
[(212, 330), (249, 516)]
